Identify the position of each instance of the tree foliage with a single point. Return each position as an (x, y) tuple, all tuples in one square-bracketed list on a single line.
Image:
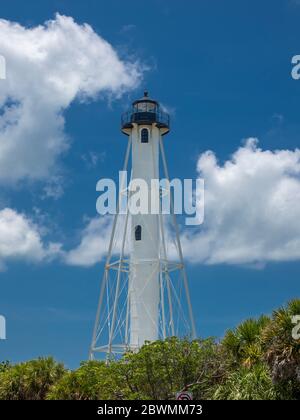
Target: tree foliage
[(29, 380), (282, 350), (92, 381), (252, 383), (259, 359), (162, 368)]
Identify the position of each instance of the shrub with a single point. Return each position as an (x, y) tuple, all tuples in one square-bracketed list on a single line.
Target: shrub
[(247, 384), (29, 380)]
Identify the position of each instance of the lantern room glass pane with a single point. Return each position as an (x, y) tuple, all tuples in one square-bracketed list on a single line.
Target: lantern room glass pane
[(142, 107), (151, 107)]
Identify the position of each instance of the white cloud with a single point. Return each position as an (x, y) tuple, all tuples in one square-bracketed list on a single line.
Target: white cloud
[(252, 212), (21, 239), (94, 241), (252, 208), (93, 244), (48, 66)]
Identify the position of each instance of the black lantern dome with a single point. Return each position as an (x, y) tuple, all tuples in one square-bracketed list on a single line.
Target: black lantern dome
[(145, 111)]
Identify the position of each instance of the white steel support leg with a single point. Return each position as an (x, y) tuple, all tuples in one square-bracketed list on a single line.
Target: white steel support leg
[(162, 299), (102, 290), (105, 275), (166, 273), (191, 316), (127, 320), (111, 333)]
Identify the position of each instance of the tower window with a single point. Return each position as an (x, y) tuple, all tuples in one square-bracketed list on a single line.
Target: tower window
[(144, 135), (138, 232)]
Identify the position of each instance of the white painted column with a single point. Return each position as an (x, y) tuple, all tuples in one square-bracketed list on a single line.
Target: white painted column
[(144, 256)]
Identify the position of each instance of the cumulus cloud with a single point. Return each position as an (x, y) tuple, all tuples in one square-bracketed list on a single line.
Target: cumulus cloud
[(93, 244), (21, 239), (94, 241), (48, 67), (252, 212), (252, 208)]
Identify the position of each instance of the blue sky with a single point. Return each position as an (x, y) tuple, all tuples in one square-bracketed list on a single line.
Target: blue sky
[(223, 69)]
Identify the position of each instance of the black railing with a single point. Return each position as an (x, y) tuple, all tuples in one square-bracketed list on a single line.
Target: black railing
[(145, 117)]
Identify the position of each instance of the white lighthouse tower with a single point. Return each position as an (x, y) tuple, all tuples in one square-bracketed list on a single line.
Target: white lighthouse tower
[(144, 293)]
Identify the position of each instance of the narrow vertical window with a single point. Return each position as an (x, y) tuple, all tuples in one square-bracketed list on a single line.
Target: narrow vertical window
[(144, 135), (138, 232)]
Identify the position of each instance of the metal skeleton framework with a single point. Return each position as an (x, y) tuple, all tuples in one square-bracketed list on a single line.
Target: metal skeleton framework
[(112, 324)]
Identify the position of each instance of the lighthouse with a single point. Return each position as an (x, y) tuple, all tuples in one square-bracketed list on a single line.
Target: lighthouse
[(141, 299), (145, 124)]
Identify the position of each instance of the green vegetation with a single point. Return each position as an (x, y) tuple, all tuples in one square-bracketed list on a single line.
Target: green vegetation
[(29, 380), (258, 360)]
